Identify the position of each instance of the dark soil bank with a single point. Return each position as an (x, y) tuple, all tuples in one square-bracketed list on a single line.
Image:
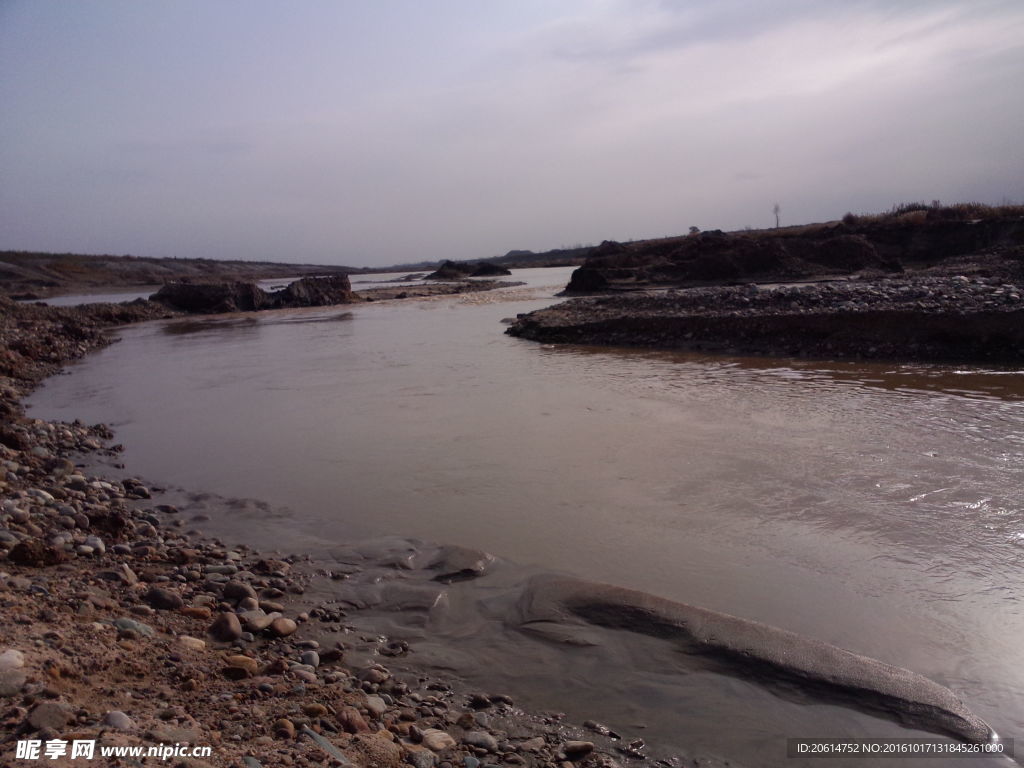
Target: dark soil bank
[(917, 318), (889, 245)]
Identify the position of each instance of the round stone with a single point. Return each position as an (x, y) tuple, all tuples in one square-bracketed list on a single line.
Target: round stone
[(283, 627), (118, 720)]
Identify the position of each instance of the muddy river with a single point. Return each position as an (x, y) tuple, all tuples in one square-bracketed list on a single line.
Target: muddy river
[(878, 507)]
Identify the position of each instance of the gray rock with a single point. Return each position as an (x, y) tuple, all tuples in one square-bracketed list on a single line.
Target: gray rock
[(6, 537), (255, 621), (96, 543), (312, 658), (11, 682), (130, 625), (376, 706), (437, 740), (422, 758), (481, 739), (51, 715), (118, 721), (11, 659), (248, 604)]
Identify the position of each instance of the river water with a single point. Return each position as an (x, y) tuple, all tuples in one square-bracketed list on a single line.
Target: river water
[(878, 507)]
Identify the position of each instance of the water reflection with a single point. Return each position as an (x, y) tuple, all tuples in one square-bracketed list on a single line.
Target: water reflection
[(911, 378), (220, 325), (249, 321)]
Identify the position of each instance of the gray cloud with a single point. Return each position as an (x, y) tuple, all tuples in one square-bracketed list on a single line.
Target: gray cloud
[(360, 134)]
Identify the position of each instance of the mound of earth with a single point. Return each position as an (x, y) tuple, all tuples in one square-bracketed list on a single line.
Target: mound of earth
[(212, 298), (709, 258), (451, 270)]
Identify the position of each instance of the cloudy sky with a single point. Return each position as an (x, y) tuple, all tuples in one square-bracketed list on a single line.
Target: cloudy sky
[(370, 133)]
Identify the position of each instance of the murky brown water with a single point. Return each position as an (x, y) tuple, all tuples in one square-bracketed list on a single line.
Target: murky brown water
[(877, 507)]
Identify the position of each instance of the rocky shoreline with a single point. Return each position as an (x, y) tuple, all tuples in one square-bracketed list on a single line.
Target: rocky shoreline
[(126, 625), (911, 318)]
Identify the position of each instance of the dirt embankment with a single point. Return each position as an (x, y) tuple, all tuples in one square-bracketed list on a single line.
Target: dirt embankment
[(928, 284), (985, 247), (126, 627)]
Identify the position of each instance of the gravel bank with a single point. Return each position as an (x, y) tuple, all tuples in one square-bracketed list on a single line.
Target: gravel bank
[(954, 319)]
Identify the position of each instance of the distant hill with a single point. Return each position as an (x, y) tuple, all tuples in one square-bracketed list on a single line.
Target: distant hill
[(557, 257)]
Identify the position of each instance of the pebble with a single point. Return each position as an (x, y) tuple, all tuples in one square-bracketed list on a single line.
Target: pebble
[(164, 599), (481, 739), (376, 706), (226, 628), (11, 659), (118, 721), (351, 721), (312, 658), (245, 663), (51, 715), (192, 643), (421, 758), (282, 627), (248, 604), (256, 621), (574, 749), (130, 625), (11, 682), (535, 744), (437, 740), (284, 729), (237, 590)]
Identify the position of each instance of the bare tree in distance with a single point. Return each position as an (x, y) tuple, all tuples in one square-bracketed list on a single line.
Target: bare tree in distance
[(776, 210)]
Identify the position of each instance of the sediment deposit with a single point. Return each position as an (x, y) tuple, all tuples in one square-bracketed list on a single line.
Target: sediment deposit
[(959, 318)]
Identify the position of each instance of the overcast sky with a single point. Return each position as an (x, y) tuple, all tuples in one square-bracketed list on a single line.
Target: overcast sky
[(371, 133)]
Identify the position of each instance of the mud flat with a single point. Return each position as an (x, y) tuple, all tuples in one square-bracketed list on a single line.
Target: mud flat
[(923, 318)]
